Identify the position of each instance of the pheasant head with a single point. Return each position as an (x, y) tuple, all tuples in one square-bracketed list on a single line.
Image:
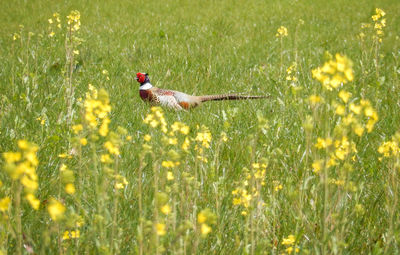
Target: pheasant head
[(142, 78)]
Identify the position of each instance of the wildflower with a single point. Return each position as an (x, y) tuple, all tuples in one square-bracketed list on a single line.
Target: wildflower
[(204, 136), (56, 209), (355, 108), (291, 73), (147, 138), (166, 209), (77, 128), (186, 144), (4, 204), (201, 217), (83, 141), (359, 130), (12, 157), (170, 176), (112, 148), (282, 32), (160, 229), (73, 19), (71, 234), (334, 72), (105, 158), (317, 166), (70, 188), (344, 95), (205, 229), (289, 240), (314, 99), (340, 110), (121, 182), (33, 201), (323, 143), (277, 186)]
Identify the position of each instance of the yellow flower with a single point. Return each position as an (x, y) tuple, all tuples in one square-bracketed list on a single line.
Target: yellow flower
[(314, 99), (359, 130), (4, 204), (12, 157), (77, 128), (56, 209), (355, 108), (73, 234), (289, 240), (201, 218), (111, 148), (204, 137), (166, 209), (160, 229), (340, 110), (323, 143), (83, 141), (186, 144), (147, 137), (170, 176), (23, 144), (205, 229), (119, 185), (282, 32), (317, 165), (33, 201), (105, 158), (289, 250), (344, 95), (167, 164), (70, 188)]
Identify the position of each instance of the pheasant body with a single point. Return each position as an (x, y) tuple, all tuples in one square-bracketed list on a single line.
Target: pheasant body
[(178, 100)]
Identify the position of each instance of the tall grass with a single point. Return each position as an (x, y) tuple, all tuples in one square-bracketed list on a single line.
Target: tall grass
[(87, 167)]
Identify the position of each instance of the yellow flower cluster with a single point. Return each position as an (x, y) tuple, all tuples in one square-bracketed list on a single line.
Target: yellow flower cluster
[(56, 209), (71, 234), (121, 181), (156, 118), (180, 127), (21, 165), (74, 20), (204, 137), (282, 32), (379, 23), (356, 113), (67, 178), (5, 204), (291, 73), (290, 243), (54, 22), (390, 148), (338, 150), (206, 218), (334, 72), (97, 107), (246, 193)]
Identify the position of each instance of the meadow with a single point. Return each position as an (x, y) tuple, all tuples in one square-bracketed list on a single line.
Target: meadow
[(87, 167)]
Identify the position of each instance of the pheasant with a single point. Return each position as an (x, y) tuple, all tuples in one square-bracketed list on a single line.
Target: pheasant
[(178, 100)]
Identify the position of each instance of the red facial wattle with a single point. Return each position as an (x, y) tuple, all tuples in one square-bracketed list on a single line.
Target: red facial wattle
[(141, 77)]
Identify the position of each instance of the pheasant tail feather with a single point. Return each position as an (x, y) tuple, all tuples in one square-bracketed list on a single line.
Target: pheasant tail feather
[(228, 97)]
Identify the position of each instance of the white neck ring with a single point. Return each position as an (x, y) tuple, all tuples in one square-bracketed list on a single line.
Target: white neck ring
[(146, 86)]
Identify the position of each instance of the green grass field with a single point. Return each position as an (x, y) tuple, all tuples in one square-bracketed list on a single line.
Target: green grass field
[(92, 169)]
